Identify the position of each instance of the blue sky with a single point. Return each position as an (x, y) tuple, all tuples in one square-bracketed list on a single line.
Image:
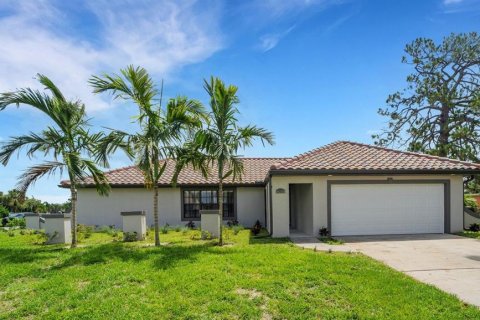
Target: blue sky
[(313, 72)]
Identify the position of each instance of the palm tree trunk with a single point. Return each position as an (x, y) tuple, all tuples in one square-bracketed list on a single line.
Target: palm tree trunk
[(73, 192), (220, 210), (155, 215)]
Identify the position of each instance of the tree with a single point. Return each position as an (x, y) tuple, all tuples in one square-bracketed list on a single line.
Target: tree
[(68, 140), (160, 129), (219, 141), (439, 110)]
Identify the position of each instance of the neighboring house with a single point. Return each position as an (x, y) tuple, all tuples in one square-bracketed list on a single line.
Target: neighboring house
[(349, 188)]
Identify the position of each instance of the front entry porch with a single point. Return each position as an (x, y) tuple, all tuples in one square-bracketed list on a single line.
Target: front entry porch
[(301, 210)]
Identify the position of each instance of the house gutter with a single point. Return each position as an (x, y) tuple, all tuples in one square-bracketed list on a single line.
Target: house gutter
[(284, 172)]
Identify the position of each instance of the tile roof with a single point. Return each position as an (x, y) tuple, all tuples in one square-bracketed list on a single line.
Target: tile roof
[(346, 156), (255, 172), (337, 157)]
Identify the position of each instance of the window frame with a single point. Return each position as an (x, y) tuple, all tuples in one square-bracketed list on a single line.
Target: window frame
[(209, 188)]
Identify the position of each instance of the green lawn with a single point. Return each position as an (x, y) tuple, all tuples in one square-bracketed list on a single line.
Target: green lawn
[(470, 234), (194, 279)]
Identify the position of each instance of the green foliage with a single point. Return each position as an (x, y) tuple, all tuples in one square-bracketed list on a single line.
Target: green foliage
[(161, 128), (3, 212), (16, 222), (11, 233), (323, 232), (130, 236), (84, 231), (206, 235), (257, 227), (250, 279), (220, 139), (470, 202), (475, 227), (439, 110), (237, 228), (165, 229)]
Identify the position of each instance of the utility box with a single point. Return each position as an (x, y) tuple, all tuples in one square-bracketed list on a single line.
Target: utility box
[(58, 227), (135, 221), (32, 220), (210, 221)]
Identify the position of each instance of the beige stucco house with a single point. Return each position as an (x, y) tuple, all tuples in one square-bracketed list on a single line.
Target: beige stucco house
[(348, 188)]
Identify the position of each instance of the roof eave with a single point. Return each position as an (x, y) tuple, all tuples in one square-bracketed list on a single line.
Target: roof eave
[(371, 171)]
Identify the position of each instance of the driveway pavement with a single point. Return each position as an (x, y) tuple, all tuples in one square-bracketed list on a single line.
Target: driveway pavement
[(449, 262)]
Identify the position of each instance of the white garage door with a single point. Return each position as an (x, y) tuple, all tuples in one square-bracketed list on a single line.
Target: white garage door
[(369, 209)]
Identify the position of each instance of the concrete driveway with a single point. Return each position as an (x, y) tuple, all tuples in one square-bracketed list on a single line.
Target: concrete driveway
[(449, 262)]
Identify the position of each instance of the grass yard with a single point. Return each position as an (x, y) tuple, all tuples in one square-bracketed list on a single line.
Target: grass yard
[(470, 234), (252, 278)]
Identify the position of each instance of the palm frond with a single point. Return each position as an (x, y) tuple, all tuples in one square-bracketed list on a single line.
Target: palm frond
[(33, 141), (32, 174), (101, 181)]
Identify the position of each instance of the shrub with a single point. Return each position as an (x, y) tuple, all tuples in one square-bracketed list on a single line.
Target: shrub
[(323, 232), (3, 212), (232, 223), (206, 235), (196, 235), (130, 236), (475, 227), (236, 229), (470, 202), (190, 225), (16, 222), (11, 233), (42, 237), (84, 231), (257, 227), (184, 230), (177, 228), (164, 229)]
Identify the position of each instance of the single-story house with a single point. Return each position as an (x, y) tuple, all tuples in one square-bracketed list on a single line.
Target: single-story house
[(347, 187)]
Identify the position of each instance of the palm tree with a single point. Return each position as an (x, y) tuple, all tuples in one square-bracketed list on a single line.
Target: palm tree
[(68, 141), (219, 142), (160, 128)]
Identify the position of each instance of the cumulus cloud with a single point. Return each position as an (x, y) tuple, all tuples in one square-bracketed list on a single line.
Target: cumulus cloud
[(162, 36)]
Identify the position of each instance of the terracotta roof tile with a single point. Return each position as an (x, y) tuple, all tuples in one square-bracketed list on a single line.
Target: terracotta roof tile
[(342, 156), (255, 172), (351, 156)]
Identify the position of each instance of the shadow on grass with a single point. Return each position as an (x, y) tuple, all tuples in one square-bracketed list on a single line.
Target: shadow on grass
[(163, 257), (27, 255), (264, 238)]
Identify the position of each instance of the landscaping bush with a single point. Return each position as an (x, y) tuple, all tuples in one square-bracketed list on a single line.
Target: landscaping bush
[(11, 233), (470, 202), (177, 228), (475, 227), (232, 223), (130, 236), (323, 232), (84, 231), (257, 227), (206, 235), (3, 215), (164, 229), (16, 222), (236, 229), (190, 225)]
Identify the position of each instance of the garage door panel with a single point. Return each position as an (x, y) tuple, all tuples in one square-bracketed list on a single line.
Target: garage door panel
[(368, 209)]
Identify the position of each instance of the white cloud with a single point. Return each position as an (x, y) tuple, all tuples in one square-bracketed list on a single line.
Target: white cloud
[(160, 36), (270, 41)]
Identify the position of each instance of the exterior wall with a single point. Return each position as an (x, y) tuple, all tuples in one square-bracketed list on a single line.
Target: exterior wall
[(280, 201), (250, 206), (468, 220), (97, 210)]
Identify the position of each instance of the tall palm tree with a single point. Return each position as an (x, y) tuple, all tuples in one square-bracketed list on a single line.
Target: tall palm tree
[(68, 140), (219, 141), (160, 128)]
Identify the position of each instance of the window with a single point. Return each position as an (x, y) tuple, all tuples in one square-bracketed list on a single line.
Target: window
[(196, 200)]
